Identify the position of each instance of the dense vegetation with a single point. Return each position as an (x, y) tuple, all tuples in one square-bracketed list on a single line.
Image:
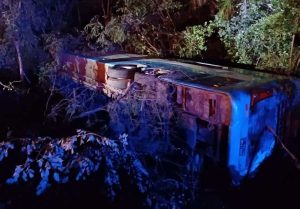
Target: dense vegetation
[(260, 33)]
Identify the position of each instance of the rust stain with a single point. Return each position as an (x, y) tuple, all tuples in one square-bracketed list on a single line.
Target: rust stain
[(90, 73), (183, 98), (84, 69), (101, 72), (210, 106)]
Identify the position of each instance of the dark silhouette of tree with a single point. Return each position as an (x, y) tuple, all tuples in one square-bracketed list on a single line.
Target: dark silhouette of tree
[(25, 21)]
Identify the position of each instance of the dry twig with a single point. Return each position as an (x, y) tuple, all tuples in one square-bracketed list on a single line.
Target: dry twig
[(294, 158)]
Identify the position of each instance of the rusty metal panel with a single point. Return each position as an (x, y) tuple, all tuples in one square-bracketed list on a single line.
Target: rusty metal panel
[(101, 72), (210, 106), (84, 69), (90, 71)]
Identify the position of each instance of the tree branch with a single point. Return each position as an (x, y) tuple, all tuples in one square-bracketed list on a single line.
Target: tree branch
[(294, 158)]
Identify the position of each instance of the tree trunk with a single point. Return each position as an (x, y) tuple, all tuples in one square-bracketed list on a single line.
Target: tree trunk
[(20, 62), (78, 14), (292, 51), (195, 4)]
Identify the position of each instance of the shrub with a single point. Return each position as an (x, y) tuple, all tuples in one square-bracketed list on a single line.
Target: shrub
[(75, 158), (195, 38), (141, 26), (253, 32)]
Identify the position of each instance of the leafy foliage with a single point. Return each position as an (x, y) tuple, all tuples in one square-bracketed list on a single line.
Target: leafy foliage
[(112, 33), (259, 33), (226, 9), (24, 23), (140, 26), (4, 148), (76, 158), (195, 38), (55, 43)]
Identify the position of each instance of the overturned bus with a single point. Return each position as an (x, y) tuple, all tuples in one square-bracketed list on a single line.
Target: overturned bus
[(239, 114)]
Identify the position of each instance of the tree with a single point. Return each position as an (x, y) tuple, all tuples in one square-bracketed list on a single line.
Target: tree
[(11, 12), (259, 33), (25, 21), (141, 26)]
